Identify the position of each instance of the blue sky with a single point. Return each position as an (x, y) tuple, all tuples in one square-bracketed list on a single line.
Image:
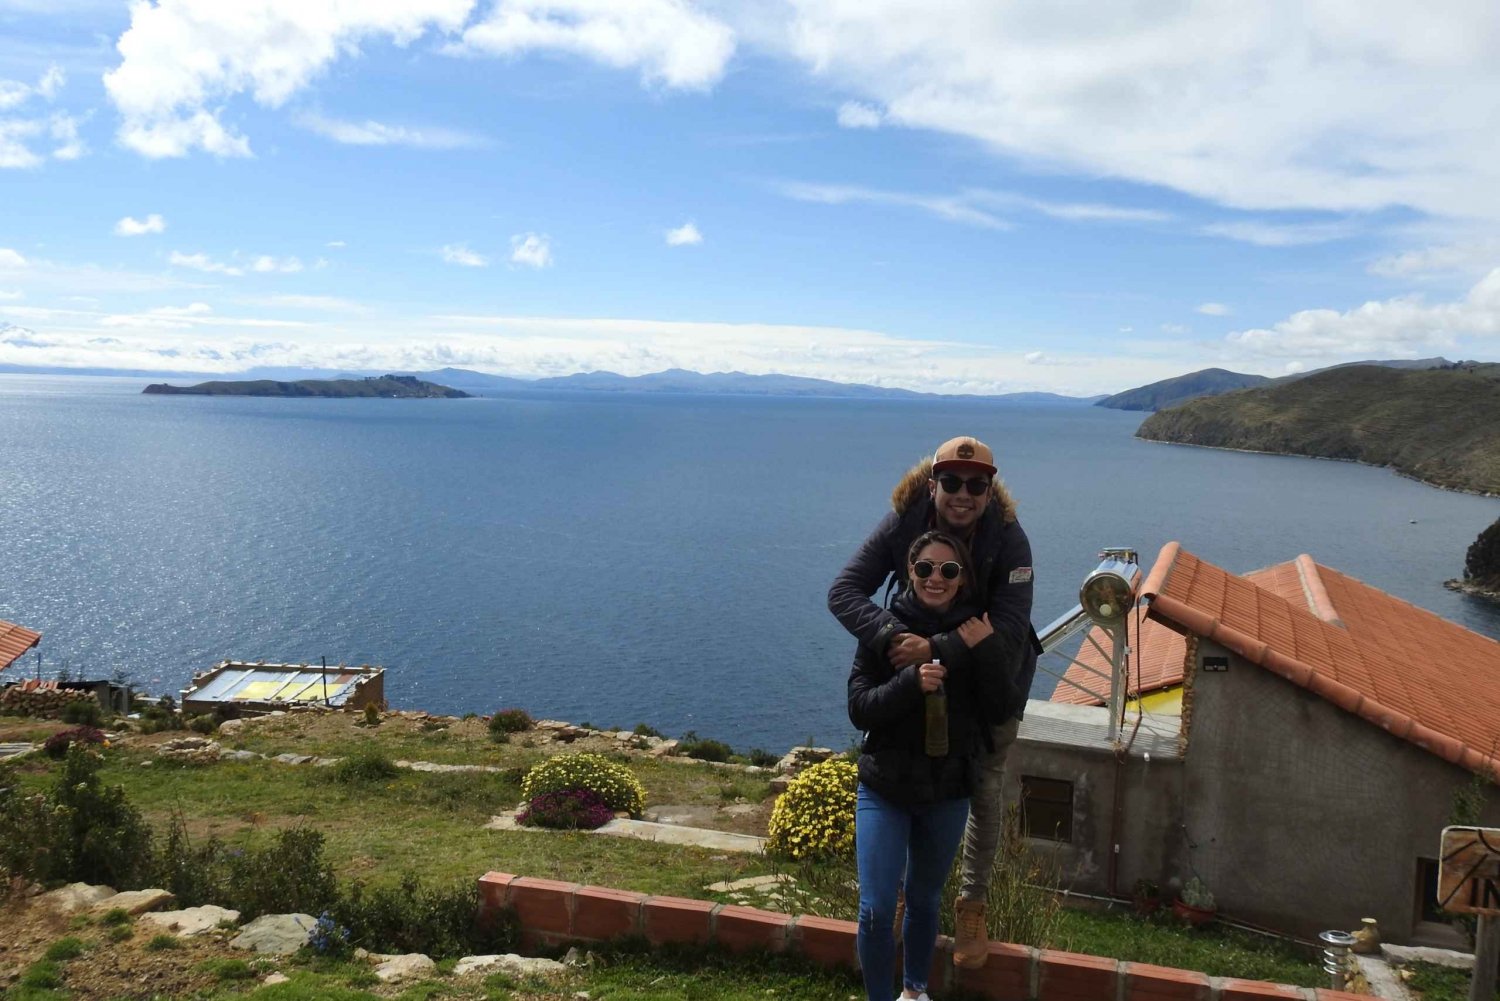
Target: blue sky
[(964, 197)]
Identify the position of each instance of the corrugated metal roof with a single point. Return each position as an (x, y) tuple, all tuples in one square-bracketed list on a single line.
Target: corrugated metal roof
[(14, 641)]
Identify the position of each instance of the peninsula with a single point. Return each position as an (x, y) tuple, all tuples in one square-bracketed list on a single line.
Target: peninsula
[(398, 387)]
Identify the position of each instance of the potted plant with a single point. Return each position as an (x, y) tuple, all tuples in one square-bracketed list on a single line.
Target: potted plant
[(1195, 904), (1146, 897)]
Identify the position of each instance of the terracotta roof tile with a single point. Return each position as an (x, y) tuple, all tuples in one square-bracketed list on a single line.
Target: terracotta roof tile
[(1398, 666), (14, 641), (1155, 663)]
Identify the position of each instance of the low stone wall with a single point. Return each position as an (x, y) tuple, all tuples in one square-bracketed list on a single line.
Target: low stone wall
[(551, 912)]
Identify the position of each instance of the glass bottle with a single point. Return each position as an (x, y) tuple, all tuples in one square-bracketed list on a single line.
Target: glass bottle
[(936, 738)]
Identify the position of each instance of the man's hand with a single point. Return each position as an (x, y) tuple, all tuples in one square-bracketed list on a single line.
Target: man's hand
[(906, 649), (931, 676), (976, 631)]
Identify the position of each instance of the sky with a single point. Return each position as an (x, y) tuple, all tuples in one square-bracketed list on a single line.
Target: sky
[(956, 196)]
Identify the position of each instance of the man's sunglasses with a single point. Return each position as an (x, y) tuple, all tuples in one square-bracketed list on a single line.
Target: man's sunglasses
[(976, 485), (924, 568)]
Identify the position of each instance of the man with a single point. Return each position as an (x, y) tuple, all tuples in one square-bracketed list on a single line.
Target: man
[(957, 492)]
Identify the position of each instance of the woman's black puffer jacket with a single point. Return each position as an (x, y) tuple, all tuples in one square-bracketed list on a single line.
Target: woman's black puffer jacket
[(888, 705)]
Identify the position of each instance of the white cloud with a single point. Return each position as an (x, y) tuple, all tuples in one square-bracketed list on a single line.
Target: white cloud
[(373, 133), (1036, 358), (1265, 234), (18, 136), (685, 235), (266, 264), (14, 93), (1174, 328), (458, 253), (1213, 309), (1406, 326), (531, 250), (1471, 257), (953, 208), (131, 226), (1263, 106), (202, 262), (11, 259), (336, 244), (668, 41), (182, 60), (857, 115), (11, 294)]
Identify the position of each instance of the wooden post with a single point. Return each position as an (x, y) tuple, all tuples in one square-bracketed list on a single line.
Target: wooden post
[(1486, 959)]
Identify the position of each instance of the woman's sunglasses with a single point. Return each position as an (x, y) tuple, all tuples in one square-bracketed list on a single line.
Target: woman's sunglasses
[(924, 568), (976, 485)]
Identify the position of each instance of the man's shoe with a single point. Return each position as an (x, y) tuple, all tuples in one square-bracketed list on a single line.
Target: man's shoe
[(971, 940)]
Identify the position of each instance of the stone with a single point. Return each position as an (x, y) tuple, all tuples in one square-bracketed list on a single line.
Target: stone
[(272, 979), (762, 884), (227, 755), (136, 901), (799, 758), (516, 966), (191, 921), (276, 934), (665, 749), (186, 744), (230, 727), (293, 759), (76, 896), (1426, 954), (411, 966), (779, 784)]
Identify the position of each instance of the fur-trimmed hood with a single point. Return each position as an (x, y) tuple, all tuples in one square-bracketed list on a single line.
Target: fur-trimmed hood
[(913, 487)]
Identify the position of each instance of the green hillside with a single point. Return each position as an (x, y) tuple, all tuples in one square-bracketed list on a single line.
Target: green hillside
[(403, 387), (1441, 426), (1180, 389)]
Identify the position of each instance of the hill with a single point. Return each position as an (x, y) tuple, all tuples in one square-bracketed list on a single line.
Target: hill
[(401, 387), (1440, 425), (1179, 389)]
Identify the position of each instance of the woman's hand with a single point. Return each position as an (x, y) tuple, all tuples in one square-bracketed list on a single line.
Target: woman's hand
[(976, 631), (931, 676)]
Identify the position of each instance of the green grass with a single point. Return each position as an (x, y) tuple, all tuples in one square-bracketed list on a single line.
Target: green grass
[(1439, 983), (64, 948), (1215, 950), (163, 942)]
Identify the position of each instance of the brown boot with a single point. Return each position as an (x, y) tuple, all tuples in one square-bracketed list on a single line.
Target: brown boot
[(971, 940)]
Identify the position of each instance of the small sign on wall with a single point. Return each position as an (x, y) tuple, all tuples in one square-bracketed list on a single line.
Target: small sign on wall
[(1216, 665), (1469, 871)]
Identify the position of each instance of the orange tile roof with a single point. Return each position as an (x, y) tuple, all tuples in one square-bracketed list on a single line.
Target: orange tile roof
[(1415, 674), (1155, 663), (14, 641)]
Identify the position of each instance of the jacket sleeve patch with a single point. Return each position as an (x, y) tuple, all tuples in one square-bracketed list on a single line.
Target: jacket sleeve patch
[(1020, 575)]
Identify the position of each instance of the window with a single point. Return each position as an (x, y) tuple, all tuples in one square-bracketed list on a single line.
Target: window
[(1047, 808), (1427, 892)]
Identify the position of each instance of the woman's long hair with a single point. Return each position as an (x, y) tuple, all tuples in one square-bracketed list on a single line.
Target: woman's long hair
[(960, 553)]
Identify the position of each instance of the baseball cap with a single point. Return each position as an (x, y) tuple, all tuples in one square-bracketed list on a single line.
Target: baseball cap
[(964, 451)]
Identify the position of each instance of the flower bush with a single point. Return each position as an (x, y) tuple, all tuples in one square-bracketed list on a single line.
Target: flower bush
[(814, 818), (568, 810), (57, 745), (613, 782)]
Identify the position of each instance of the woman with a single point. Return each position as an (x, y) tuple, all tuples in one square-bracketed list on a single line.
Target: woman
[(912, 804)]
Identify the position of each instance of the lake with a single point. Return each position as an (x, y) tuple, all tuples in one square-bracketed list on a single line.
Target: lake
[(605, 558)]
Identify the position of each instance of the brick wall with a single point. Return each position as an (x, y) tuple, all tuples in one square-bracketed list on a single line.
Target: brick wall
[(552, 912)]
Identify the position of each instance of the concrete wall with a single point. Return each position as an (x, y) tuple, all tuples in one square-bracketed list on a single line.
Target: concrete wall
[(1304, 817), (1149, 828)]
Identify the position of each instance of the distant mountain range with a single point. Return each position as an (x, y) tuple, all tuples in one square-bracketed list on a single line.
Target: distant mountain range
[(390, 387), (1213, 381)]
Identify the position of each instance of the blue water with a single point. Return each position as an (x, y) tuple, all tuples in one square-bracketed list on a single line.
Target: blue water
[(612, 559)]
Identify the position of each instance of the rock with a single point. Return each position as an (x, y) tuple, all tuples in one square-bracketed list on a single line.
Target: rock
[(190, 922), (573, 958), (664, 749), (293, 759), (272, 979), (136, 901), (276, 934), (760, 883), (76, 896), (230, 727), (227, 755), (185, 744), (198, 750), (408, 967), (779, 784), (1426, 954), (799, 758), (516, 966)]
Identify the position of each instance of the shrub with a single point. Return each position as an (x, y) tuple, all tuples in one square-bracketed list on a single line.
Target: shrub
[(568, 810), (57, 745), (204, 724), (115, 916), (508, 721), (438, 921), (372, 714), (287, 876), (762, 757), (814, 818), (163, 942), (366, 765), (694, 746), (81, 711), (228, 969), (614, 783), (642, 730), (64, 948), (329, 938)]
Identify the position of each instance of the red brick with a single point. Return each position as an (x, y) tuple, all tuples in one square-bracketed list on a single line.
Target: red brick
[(825, 941), (603, 914), (1258, 990), (492, 890), (1067, 976), (1005, 975), (742, 928), (544, 906), (676, 919), (1327, 995), (1145, 982)]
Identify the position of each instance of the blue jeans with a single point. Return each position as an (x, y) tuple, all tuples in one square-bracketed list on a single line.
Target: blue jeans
[(890, 840)]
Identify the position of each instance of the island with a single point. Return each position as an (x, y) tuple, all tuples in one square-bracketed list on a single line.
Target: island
[(1481, 566), (395, 387)]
